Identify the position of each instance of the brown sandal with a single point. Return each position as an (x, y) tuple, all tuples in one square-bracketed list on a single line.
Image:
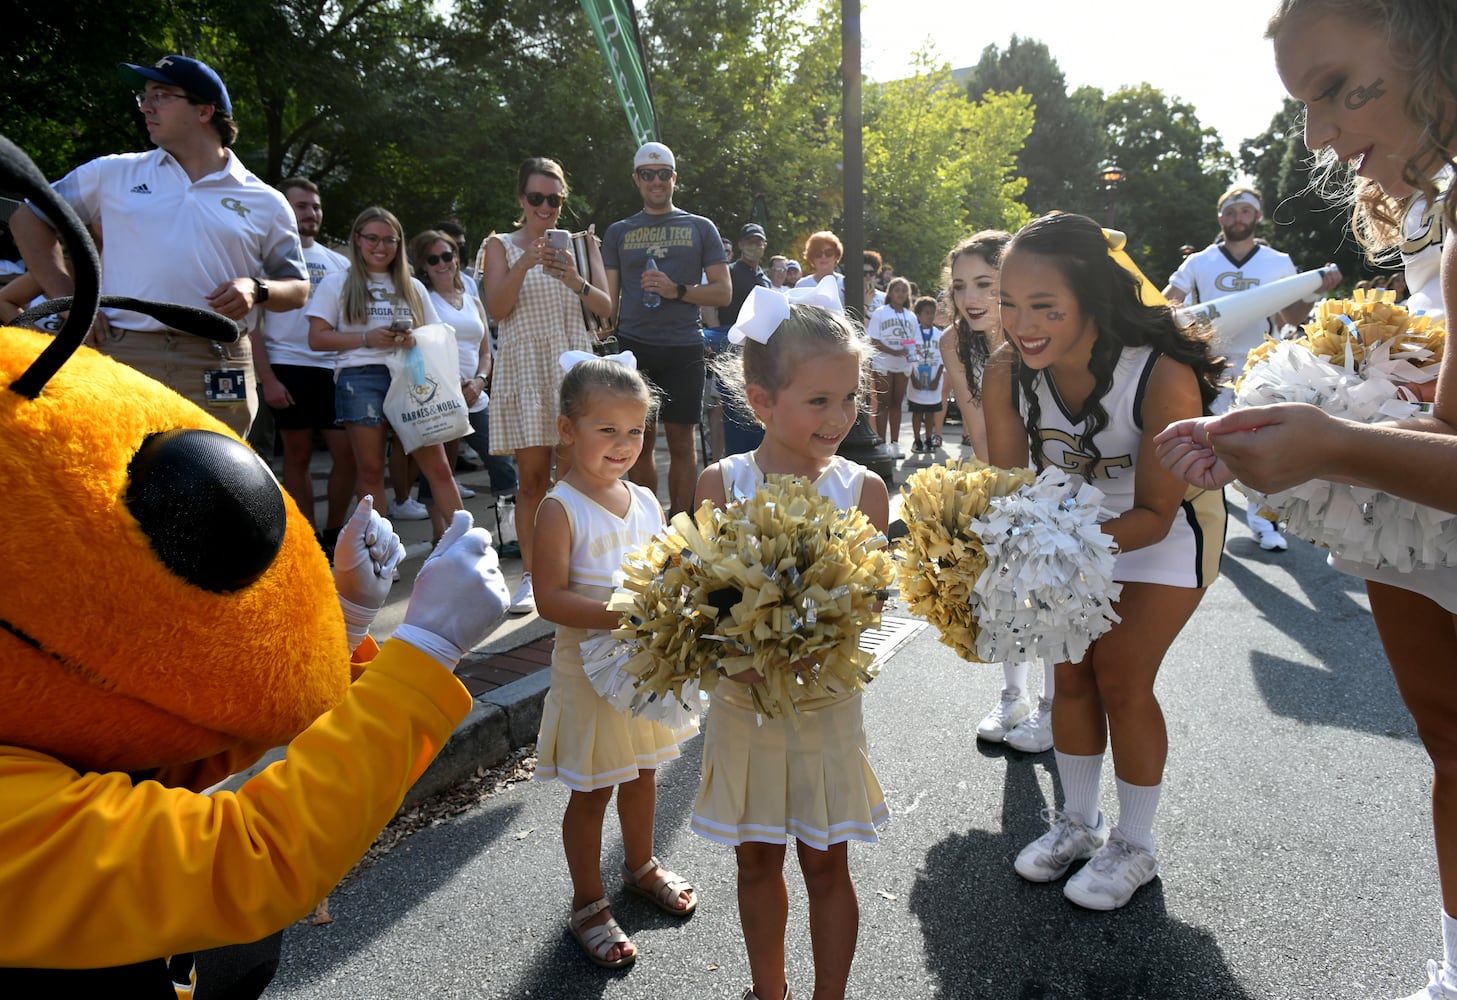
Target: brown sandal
[(598, 939), (664, 891)]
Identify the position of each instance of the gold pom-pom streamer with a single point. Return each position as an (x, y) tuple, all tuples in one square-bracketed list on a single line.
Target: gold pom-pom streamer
[(1352, 328), (783, 583)]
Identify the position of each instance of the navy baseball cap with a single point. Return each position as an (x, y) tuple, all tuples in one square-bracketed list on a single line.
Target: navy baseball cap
[(197, 78), (752, 229)]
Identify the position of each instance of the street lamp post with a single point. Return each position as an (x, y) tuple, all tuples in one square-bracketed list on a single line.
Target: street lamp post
[(1111, 176)]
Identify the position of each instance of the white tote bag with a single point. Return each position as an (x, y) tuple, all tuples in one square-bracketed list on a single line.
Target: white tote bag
[(424, 403)]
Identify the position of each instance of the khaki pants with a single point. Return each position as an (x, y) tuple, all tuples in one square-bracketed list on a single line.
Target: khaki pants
[(179, 361)]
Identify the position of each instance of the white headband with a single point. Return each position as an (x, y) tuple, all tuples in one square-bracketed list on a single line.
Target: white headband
[(1243, 198), (570, 359), (766, 308)]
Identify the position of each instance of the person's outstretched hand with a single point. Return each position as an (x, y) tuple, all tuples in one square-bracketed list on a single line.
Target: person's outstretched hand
[(365, 558), (1185, 450), (459, 594)]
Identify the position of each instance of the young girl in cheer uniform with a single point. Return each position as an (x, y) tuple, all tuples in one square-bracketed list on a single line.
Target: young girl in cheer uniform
[(1380, 91), (586, 525), (802, 374), (1088, 376)]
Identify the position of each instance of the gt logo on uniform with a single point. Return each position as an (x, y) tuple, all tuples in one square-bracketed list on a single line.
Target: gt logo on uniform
[(234, 205), (1234, 281)]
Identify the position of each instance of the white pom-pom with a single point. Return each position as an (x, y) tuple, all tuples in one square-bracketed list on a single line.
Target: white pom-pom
[(1048, 590), (604, 659)]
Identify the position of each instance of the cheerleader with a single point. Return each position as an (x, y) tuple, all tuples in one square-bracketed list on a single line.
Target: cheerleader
[(1379, 92), (586, 524), (1088, 375), (765, 782)]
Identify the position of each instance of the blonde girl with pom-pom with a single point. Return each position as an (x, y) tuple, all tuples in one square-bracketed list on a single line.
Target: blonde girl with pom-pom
[(1088, 375), (585, 526), (768, 781), (1380, 111)]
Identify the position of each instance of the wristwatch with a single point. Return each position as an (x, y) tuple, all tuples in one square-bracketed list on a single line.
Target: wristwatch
[(260, 291), (682, 290)]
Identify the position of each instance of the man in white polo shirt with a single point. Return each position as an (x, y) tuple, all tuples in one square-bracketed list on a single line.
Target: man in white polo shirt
[(185, 222)]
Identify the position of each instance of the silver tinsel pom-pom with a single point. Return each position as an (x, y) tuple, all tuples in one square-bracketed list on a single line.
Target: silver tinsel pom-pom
[(1047, 591)]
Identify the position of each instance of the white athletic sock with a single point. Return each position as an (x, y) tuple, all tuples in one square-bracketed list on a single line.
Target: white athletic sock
[(1449, 948), (1254, 521), (1049, 679), (1136, 807), (1016, 675), (1080, 776)]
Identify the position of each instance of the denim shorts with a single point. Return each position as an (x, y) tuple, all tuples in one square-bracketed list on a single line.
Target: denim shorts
[(359, 395)]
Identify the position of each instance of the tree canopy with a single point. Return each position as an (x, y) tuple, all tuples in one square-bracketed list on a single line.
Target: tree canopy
[(428, 107)]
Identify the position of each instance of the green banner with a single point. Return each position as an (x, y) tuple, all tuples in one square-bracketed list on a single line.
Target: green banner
[(613, 24)]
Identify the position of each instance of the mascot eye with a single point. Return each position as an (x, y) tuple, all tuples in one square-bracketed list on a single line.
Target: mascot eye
[(211, 509)]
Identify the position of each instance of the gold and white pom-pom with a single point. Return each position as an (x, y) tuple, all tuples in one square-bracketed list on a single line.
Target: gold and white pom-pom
[(942, 555), (1355, 362), (783, 583)]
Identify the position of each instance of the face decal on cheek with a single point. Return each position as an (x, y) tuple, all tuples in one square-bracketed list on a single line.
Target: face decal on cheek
[(1055, 316), (1362, 96)]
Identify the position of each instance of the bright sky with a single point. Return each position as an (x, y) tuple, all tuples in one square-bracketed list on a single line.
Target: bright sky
[(1212, 56)]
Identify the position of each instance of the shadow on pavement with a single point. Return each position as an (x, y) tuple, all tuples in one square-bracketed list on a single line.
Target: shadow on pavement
[(365, 909), (1012, 939)]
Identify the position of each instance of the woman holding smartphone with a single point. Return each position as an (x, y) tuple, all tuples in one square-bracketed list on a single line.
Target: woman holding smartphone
[(365, 314), (533, 290)]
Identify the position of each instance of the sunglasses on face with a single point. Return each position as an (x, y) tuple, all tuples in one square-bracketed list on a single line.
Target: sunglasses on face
[(535, 198), (435, 258), (660, 174)]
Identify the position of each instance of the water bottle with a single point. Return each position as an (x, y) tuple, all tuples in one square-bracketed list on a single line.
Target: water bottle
[(651, 299)]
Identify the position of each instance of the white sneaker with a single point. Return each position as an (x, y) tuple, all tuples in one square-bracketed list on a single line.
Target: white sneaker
[(409, 510), (1437, 987), (1034, 733), (895, 449), (1004, 716), (1271, 540), (523, 602), (465, 491), (1112, 876), (1048, 858)]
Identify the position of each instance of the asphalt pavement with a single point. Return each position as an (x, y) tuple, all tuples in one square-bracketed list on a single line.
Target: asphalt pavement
[(1294, 836)]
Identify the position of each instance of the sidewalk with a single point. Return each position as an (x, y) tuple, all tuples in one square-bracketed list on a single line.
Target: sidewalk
[(507, 673)]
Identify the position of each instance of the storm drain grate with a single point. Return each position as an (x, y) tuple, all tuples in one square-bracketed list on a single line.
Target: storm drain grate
[(893, 632)]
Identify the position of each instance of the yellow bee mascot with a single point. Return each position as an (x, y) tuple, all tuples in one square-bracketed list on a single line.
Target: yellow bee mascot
[(166, 616)]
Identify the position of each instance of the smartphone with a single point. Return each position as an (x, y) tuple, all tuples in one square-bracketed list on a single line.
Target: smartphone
[(559, 239), (400, 325)]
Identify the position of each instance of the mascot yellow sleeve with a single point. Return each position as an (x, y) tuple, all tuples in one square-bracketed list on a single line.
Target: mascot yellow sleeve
[(166, 615)]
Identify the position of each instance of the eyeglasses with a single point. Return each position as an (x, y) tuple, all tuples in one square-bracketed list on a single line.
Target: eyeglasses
[(374, 241), (646, 174), (535, 198), (157, 98), (436, 258)]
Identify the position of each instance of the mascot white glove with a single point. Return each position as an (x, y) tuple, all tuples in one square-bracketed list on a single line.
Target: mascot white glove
[(365, 559), (459, 594)]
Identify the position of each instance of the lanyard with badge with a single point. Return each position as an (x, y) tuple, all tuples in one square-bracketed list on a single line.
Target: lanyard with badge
[(224, 386), (923, 370)]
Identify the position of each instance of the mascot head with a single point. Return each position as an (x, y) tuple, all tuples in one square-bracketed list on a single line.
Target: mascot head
[(162, 599)]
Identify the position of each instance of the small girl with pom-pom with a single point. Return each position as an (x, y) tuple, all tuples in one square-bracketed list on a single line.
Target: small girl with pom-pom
[(801, 375), (585, 525)]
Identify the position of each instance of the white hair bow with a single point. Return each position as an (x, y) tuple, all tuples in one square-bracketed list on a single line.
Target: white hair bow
[(765, 308), (570, 359)]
